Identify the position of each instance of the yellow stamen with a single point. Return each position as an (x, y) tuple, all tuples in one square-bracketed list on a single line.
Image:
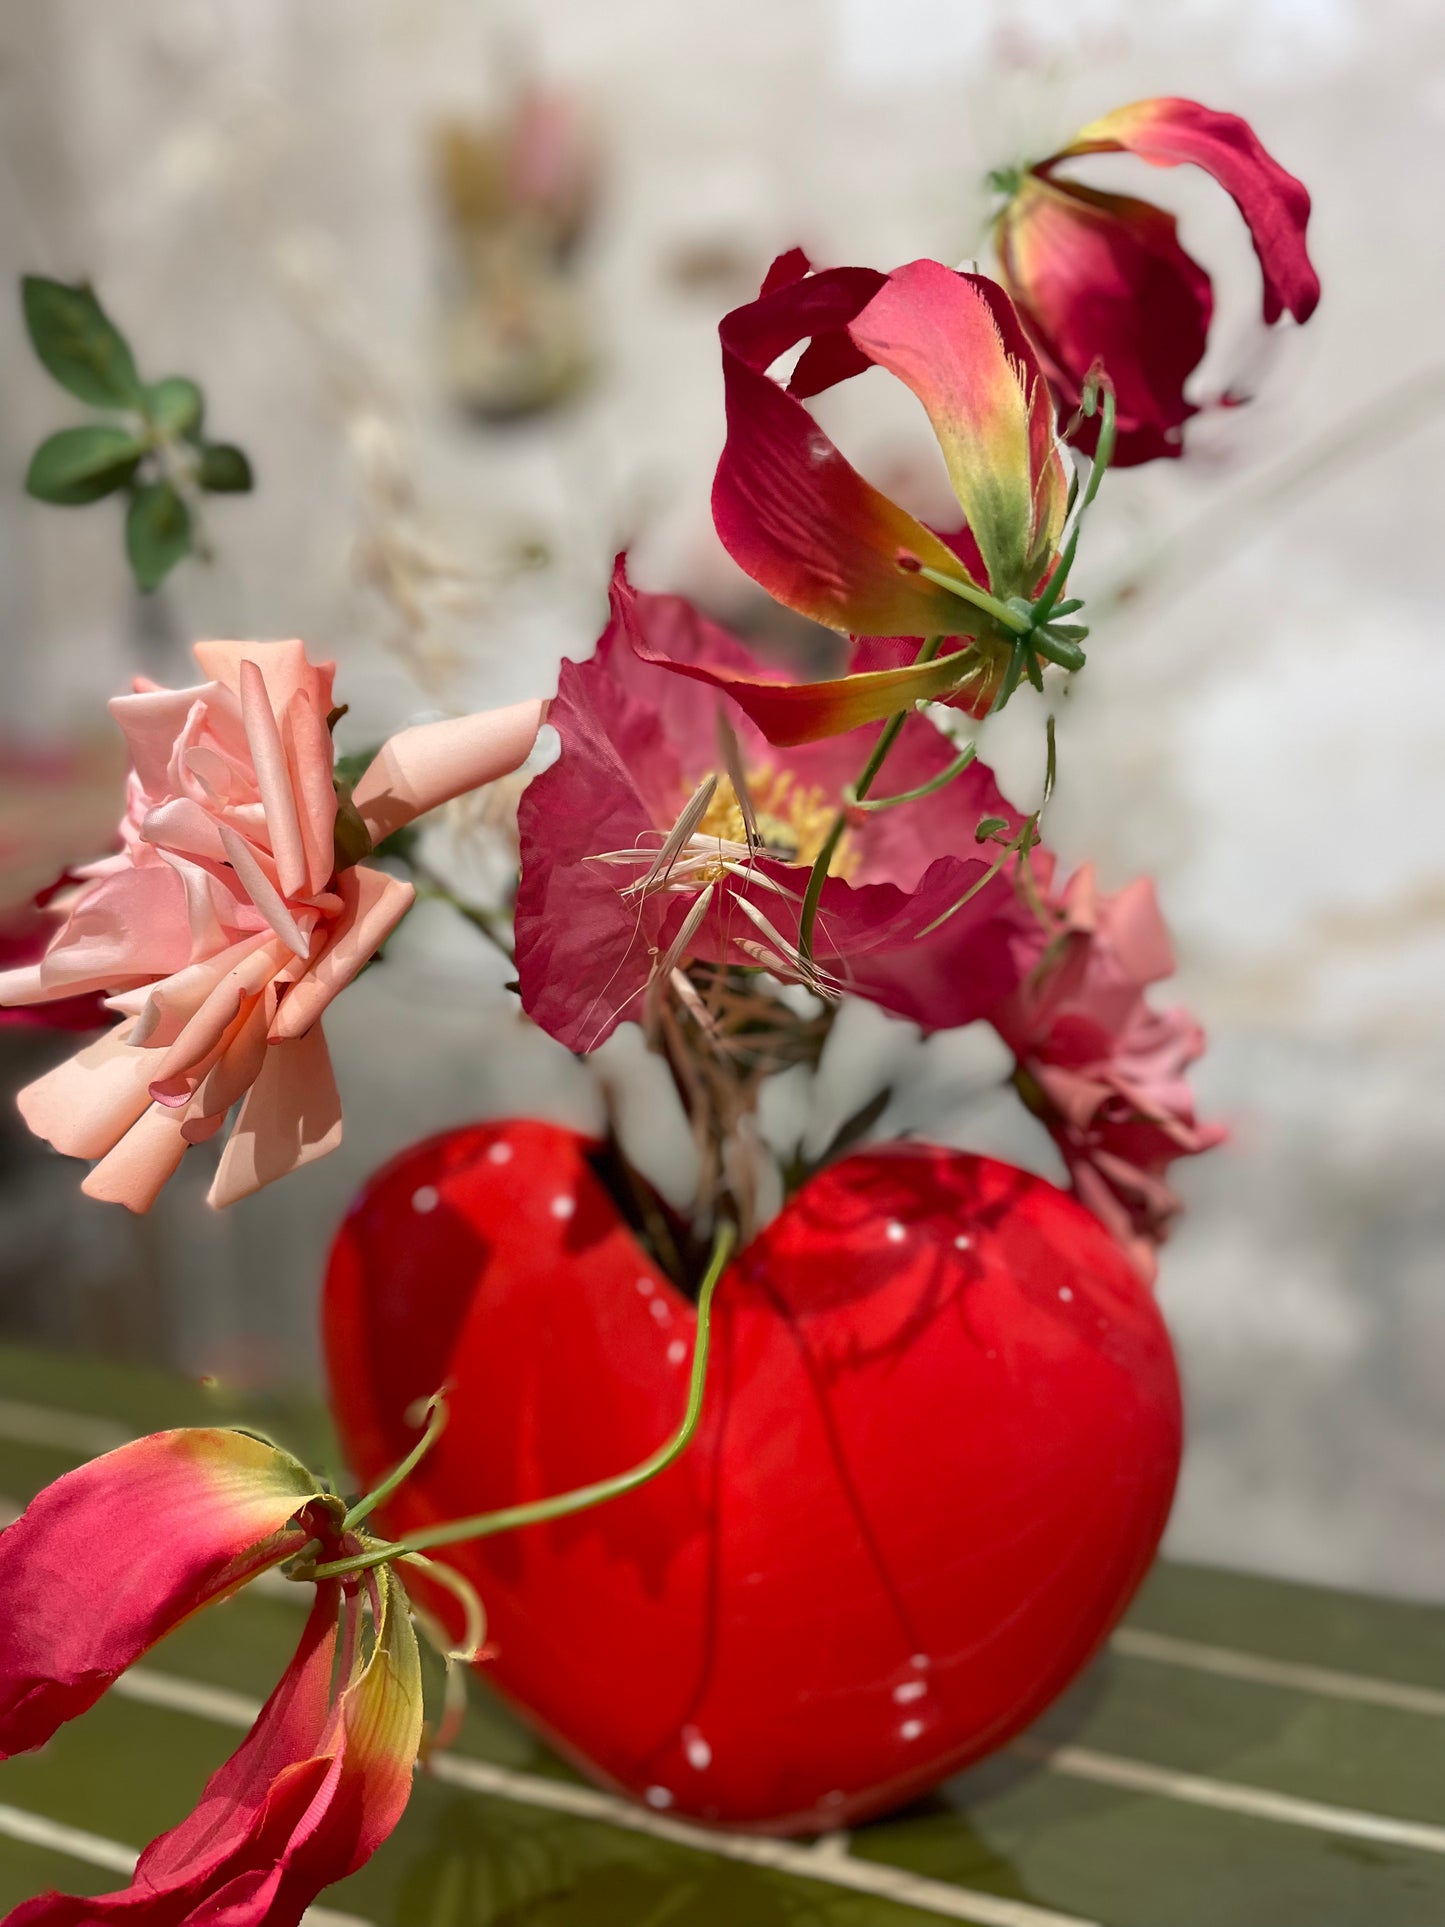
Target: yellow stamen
[(793, 819)]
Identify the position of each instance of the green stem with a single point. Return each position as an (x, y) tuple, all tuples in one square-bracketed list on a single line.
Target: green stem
[(1010, 849), (436, 1418), (1103, 455), (980, 598), (818, 875), (941, 781), (485, 1524)]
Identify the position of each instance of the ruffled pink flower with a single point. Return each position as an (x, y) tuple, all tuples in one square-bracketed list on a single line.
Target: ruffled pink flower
[(226, 924), (113, 1556), (1102, 1069), (1100, 279), (600, 919)]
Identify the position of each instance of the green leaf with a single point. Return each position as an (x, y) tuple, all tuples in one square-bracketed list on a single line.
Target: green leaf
[(224, 469), (175, 405), (989, 826), (79, 344), (82, 464), (157, 533)]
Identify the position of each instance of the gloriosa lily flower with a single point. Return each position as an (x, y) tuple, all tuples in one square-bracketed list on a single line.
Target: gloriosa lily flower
[(653, 840), (1102, 279), (234, 912), (1102, 1069), (802, 522), (113, 1556)]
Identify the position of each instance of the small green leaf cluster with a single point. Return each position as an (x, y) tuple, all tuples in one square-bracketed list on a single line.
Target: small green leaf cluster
[(158, 455)]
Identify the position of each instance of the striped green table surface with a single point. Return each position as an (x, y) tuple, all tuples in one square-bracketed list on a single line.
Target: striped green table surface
[(1245, 1754)]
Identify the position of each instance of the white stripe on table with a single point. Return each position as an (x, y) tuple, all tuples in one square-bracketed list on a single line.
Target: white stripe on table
[(833, 1866), (34, 1830), (1077, 1762), (1134, 1642), (1258, 1803), (77, 1432), (830, 1868)]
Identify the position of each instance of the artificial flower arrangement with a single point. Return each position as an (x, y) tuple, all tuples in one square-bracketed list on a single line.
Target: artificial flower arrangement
[(874, 1444)]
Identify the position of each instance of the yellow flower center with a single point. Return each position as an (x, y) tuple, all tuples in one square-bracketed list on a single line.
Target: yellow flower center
[(793, 820)]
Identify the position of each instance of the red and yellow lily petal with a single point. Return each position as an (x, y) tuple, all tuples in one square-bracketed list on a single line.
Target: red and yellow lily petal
[(791, 713), (955, 340), (1276, 207), (227, 1859), (1101, 279), (381, 1716), (113, 1555), (788, 507)]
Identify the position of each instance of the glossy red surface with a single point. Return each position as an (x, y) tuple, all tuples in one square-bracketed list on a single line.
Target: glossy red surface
[(939, 1445)]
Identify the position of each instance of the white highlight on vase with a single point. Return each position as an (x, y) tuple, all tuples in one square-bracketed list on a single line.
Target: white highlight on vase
[(658, 1796), (499, 1153), (563, 1208), (425, 1198), (896, 1232), (696, 1750)]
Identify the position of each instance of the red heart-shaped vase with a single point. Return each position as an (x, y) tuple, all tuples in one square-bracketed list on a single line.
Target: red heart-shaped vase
[(938, 1448)]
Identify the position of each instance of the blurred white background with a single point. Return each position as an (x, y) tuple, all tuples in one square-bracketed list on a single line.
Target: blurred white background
[(248, 183)]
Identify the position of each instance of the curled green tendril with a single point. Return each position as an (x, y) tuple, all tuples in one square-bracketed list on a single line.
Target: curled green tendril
[(485, 1525)]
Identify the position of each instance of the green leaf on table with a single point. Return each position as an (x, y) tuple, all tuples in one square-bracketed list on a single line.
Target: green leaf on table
[(157, 533), (79, 344), (224, 470), (83, 464), (175, 405)]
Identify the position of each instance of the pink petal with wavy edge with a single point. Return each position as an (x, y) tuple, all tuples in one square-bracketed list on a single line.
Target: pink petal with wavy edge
[(291, 1117), (955, 340), (583, 953), (87, 1104), (1276, 207), (423, 767), (121, 930), (273, 777), (112, 1556), (373, 905)]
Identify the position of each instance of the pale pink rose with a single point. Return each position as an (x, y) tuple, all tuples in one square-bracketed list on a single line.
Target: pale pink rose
[(223, 927)]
